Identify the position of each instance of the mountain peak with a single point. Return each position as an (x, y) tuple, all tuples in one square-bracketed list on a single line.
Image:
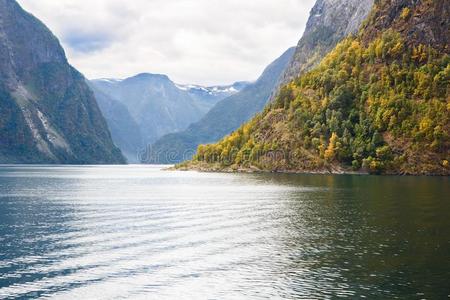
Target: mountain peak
[(329, 22), (26, 42), (149, 76)]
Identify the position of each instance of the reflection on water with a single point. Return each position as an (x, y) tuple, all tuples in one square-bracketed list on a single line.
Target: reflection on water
[(138, 232)]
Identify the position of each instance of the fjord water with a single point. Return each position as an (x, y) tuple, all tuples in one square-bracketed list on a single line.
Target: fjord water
[(139, 232)]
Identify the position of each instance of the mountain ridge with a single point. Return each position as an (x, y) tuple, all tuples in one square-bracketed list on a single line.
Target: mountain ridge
[(330, 21), (141, 108)]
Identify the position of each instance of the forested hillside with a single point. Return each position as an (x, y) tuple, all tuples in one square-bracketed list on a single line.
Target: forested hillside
[(378, 103)]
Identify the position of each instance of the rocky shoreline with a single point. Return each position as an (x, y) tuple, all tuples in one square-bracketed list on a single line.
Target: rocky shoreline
[(335, 170), (216, 168)]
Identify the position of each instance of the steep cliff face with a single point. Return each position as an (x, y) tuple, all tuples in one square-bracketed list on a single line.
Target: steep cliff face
[(48, 113), (379, 102), (329, 22), (226, 116), (419, 22)]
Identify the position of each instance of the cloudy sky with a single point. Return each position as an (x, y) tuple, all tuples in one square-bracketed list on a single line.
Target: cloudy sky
[(192, 41)]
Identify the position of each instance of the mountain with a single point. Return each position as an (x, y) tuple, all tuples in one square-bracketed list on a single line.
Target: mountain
[(379, 102), (142, 108), (156, 104), (330, 21), (48, 114), (226, 116)]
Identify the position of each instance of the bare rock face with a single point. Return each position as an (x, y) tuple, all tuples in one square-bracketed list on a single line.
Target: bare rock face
[(47, 112), (329, 22), (419, 21)]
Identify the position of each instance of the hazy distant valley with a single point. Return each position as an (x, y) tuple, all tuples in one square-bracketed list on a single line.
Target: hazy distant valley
[(141, 109)]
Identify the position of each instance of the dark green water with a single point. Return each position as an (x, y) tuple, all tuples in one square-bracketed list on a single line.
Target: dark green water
[(142, 233)]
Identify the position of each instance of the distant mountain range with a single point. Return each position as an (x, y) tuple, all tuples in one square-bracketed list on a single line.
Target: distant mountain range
[(212, 94), (142, 108), (226, 116), (48, 114)]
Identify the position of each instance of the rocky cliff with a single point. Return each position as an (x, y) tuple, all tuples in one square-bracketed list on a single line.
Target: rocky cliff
[(48, 114), (329, 22)]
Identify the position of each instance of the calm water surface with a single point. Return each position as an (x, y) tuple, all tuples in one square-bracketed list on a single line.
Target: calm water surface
[(142, 233)]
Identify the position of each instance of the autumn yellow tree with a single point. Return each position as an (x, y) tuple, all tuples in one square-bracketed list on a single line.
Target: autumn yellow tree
[(330, 153)]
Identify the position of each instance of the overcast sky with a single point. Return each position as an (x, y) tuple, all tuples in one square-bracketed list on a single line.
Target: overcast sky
[(193, 41)]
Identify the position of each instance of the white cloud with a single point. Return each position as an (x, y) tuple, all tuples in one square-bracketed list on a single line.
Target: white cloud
[(192, 41)]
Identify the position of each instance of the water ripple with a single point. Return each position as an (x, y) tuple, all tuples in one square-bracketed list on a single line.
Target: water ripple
[(139, 232)]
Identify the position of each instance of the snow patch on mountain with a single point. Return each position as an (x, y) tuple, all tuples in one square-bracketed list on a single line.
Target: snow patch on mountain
[(211, 90)]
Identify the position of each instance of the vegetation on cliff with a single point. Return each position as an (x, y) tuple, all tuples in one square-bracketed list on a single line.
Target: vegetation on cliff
[(379, 102)]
